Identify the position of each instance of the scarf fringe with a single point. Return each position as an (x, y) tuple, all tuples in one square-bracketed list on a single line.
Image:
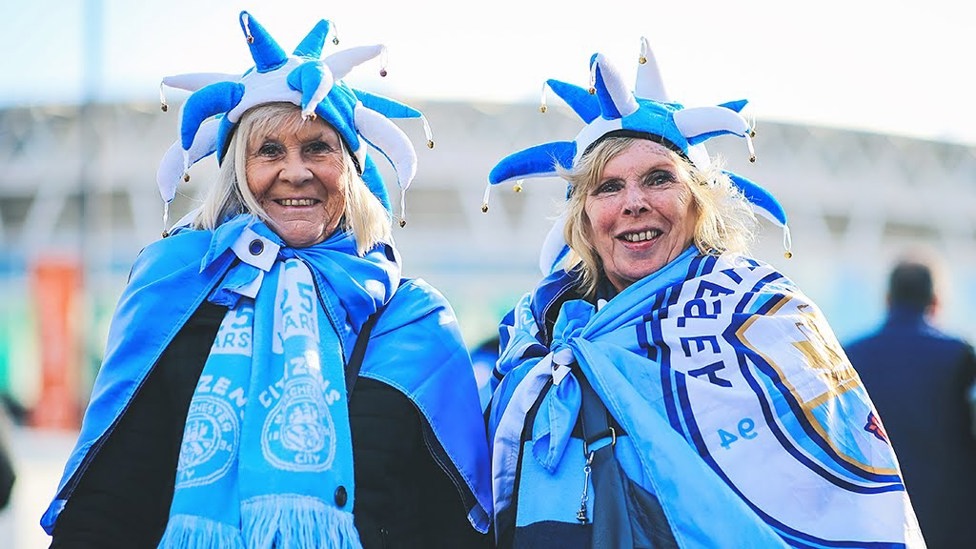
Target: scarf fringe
[(292, 520), (185, 531)]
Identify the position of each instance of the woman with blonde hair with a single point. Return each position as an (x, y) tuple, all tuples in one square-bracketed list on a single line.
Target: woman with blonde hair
[(660, 387)]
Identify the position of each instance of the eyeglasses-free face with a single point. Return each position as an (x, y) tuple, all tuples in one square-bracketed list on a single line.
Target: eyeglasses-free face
[(294, 171), (641, 214)]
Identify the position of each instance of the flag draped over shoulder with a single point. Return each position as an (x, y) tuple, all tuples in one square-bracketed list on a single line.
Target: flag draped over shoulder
[(740, 413)]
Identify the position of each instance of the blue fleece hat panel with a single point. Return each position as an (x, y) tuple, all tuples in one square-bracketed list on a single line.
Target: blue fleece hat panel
[(583, 102), (538, 161), (386, 106), (206, 103), (765, 203)]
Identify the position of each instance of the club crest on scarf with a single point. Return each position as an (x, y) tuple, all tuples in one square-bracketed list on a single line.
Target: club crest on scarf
[(793, 380), (212, 428), (213, 422), (299, 434), (267, 441)]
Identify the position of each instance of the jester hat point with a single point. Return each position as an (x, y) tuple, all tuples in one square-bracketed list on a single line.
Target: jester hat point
[(609, 108), (211, 113)]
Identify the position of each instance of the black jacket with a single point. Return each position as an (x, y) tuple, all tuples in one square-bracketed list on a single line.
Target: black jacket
[(403, 498), (7, 473)]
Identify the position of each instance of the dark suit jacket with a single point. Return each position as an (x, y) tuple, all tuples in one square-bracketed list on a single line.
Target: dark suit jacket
[(7, 473), (918, 378)]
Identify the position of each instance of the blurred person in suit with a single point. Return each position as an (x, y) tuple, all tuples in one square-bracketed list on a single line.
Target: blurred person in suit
[(920, 379), (8, 474)]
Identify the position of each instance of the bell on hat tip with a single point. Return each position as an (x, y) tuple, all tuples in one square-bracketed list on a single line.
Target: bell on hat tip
[(403, 222), (752, 158), (164, 107), (642, 60), (484, 208), (335, 40), (186, 177), (250, 39), (543, 109), (382, 72), (517, 187), (788, 255), (430, 143), (592, 90)]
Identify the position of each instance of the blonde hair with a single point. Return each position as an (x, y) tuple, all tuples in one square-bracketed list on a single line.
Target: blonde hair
[(725, 221), (364, 216)]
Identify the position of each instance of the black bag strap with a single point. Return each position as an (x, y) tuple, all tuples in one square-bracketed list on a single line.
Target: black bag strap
[(594, 417), (359, 351), (611, 518)]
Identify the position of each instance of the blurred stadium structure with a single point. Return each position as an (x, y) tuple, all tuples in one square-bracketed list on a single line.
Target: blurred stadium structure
[(78, 197), (78, 200)]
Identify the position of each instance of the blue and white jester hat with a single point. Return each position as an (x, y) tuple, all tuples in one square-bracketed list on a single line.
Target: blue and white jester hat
[(211, 113), (610, 108)]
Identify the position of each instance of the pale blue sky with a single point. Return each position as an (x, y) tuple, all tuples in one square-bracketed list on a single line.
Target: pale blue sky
[(891, 66)]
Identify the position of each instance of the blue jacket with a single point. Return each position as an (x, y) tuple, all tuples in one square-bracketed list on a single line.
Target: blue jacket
[(425, 353)]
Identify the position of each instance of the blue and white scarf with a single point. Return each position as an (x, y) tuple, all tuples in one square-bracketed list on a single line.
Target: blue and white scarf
[(742, 415), (266, 457)]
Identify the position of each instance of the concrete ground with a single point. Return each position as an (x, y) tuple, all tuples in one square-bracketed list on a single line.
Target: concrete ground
[(39, 458)]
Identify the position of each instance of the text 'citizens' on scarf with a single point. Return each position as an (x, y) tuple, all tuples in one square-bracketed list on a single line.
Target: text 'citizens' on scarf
[(266, 457)]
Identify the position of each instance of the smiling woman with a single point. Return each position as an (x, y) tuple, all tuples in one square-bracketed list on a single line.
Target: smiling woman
[(300, 179), (641, 216), (237, 405), (660, 387), (296, 175)]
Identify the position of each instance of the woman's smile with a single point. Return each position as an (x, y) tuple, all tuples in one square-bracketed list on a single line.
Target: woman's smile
[(296, 173), (641, 214)]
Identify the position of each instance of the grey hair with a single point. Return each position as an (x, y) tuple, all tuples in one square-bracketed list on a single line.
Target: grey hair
[(364, 216)]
